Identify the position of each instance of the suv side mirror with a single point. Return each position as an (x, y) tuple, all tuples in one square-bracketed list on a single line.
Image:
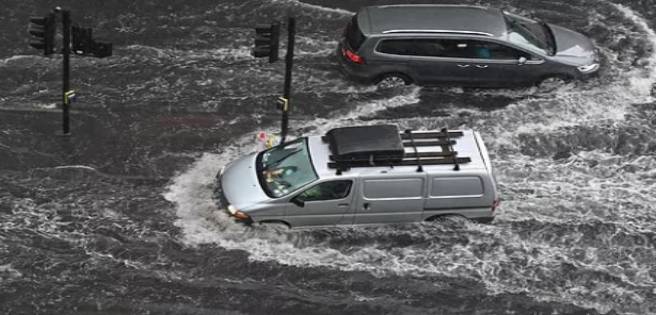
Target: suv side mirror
[(298, 201), (522, 60)]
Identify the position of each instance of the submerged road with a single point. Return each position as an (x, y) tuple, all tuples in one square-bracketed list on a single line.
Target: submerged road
[(118, 218)]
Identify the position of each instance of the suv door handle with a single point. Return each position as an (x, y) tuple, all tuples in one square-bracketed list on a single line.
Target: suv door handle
[(365, 206), (343, 205), (481, 66), (463, 65)]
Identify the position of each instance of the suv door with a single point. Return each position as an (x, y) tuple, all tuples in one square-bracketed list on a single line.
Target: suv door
[(326, 203), (390, 200), (496, 64), (420, 56)]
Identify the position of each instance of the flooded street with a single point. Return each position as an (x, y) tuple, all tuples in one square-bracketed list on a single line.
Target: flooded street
[(118, 218)]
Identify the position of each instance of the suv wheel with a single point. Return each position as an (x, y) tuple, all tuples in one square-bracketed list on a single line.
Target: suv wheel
[(392, 80)]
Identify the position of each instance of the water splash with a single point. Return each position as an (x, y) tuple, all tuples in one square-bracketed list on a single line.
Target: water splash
[(642, 80)]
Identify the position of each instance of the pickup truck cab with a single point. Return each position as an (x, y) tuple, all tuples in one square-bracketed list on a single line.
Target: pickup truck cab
[(362, 175)]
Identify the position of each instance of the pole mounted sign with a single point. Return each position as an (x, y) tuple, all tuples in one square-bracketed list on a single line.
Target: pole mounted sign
[(43, 31), (266, 45)]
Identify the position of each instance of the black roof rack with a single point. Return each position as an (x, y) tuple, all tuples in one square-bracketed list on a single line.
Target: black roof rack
[(365, 142), (383, 145)]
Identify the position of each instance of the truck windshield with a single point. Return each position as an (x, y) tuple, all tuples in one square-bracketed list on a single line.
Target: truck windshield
[(532, 35), (286, 168)]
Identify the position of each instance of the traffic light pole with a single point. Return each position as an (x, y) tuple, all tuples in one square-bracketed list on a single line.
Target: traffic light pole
[(289, 60), (43, 31), (66, 23)]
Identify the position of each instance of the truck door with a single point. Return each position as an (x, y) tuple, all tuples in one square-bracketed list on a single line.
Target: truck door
[(326, 203), (390, 200)]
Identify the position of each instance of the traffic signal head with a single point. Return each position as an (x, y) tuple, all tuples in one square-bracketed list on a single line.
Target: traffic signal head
[(43, 31), (84, 44), (266, 41)]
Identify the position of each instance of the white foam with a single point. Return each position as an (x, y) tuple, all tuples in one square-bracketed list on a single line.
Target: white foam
[(642, 83), (315, 7), (85, 167), (8, 273), (19, 58)]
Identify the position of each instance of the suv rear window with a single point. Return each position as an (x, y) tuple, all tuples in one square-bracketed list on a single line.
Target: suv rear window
[(452, 48), (353, 35)]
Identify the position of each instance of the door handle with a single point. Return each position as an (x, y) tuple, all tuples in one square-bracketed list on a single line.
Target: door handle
[(481, 66), (365, 206), (343, 205), (463, 65)]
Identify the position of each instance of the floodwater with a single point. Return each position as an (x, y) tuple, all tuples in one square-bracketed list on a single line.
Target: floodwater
[(118, 218)]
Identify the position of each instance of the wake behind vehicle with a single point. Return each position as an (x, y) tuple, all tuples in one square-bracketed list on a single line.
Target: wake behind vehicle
[(362, 175), (461, 45)]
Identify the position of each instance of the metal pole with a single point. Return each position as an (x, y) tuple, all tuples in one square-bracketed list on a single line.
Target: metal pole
[(66, 23), (289, 59)]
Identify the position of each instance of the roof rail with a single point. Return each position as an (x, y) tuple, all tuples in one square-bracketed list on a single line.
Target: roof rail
[(443, 138), (438, 31)]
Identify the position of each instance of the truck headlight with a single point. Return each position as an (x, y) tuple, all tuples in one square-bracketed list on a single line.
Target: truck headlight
[(239, 215), (588, 68)]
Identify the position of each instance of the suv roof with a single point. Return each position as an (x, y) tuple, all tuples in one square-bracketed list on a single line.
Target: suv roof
[(422, 18)]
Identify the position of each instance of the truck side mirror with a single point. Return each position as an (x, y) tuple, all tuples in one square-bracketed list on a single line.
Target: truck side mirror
[(297, 201)]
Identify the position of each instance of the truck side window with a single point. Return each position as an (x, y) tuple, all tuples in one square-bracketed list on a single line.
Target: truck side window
[(454, 187), (409, 188), (338, 189)]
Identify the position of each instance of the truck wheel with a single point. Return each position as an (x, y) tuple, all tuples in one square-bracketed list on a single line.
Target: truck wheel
[(392, 80)]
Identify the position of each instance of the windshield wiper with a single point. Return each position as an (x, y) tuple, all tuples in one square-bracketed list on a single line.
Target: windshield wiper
[(278, 161)]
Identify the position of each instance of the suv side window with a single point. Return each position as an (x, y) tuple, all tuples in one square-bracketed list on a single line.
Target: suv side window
[(450, 48), (488, 50), (332, 190), (410, 47)]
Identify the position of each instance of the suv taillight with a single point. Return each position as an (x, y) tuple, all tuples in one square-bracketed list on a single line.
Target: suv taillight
[(495, 204), (352, 56)]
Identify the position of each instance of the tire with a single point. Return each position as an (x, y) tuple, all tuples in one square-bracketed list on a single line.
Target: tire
[(392, 80)]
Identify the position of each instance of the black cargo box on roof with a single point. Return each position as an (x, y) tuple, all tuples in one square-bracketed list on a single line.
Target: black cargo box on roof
[(380, 142)]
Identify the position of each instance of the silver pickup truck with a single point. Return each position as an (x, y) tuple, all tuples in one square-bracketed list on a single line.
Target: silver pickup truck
[(362, 175)]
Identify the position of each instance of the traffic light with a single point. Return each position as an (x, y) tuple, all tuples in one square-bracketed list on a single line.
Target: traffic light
[(83, 43), (43, 30), (266, 41)]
